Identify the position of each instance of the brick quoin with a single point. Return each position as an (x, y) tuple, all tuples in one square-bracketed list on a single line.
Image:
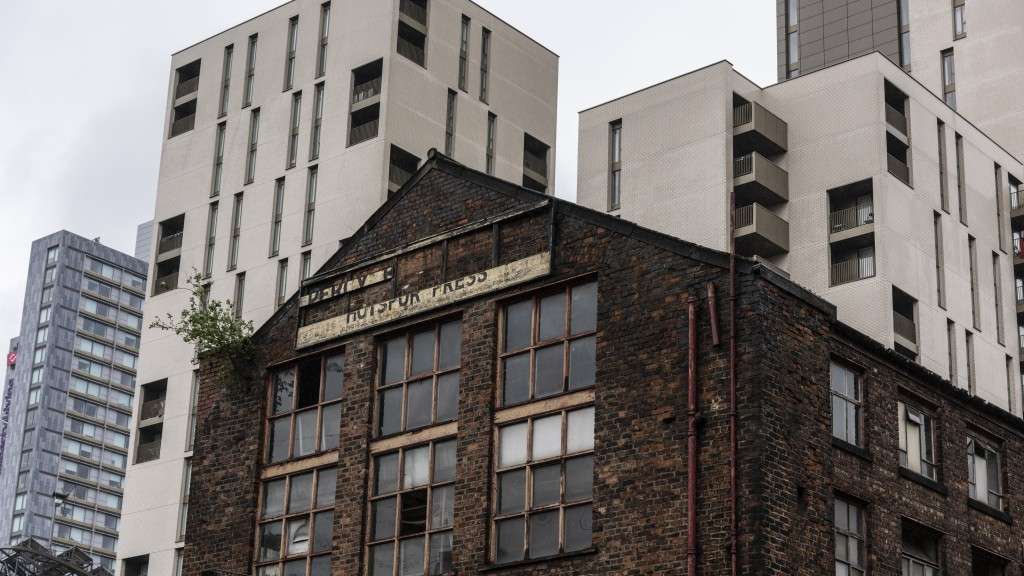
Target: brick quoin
[(788, 468)]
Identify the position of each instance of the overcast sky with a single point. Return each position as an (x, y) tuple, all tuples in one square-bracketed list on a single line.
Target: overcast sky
[(81, 110)]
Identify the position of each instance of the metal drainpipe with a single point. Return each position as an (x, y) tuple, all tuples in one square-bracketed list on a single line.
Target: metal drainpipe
[(691, 440), (734, 529)]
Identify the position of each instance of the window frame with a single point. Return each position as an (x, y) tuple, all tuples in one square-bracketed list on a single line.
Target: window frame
[(857, 537), (293, 413), (857, 402), (993, 447), (927, 425), (285, 517)]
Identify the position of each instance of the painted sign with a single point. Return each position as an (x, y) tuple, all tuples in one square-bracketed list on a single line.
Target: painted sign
[(341, 287), (470, 286)]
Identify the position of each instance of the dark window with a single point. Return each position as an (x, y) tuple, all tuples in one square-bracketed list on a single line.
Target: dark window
[(849, 533), (464, 53), (296, 524), (846, 404), (920, 555), (304, 408)]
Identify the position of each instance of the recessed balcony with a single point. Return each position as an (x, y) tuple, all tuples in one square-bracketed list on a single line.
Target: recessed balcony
[(755, 129), (849, 223), (758, 179), (760, 232)]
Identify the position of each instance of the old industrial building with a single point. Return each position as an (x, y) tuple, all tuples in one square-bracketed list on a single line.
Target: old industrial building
[(507, 383)]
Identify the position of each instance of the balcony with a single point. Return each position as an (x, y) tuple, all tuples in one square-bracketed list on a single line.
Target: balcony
[(147, 451), (896, 119), (904, 331), (755, 129), (413, 13), (898, 168), (1018, 252), (758, 179), (165, 283), (363, 132), (397, 176), (366, 93), (852, 222), (849, 270), (151, 409), (186, 87), (760, 232), (411, 51), (1016, 205), (183, 124), (170, 243)]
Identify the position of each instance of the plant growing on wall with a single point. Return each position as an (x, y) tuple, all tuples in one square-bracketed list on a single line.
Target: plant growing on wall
[(211, 326)]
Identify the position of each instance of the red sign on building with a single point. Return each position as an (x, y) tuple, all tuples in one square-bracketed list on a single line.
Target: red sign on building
[(11, 358)]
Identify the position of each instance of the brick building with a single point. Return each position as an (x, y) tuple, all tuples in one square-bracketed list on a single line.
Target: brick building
[(484, 379)]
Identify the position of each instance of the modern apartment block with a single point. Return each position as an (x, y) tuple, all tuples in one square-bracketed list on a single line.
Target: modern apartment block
[(283, 134), (144, 241), (69, 397), (11, 361), (854, 180)]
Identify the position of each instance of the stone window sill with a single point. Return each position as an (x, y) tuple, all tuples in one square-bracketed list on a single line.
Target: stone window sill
[(858, 451), (989, 510), (924, 481), (533, 561)]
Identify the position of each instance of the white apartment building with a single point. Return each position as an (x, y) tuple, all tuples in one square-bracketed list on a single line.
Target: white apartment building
[(856, 180), (283, 134)]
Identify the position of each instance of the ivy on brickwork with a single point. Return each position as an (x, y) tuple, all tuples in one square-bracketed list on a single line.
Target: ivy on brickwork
[(211, 326)]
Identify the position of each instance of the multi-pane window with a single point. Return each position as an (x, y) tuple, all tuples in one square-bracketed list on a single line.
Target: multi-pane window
[(485, 64), (250, 70), (846, 403), (419, 378), (920, 553), (449, 124), (464, 53), (325, 30), (49, 275), (903, 18), (307, 265), (239, 300), (305, 408), (412, 511), (549, 344), (281, 290), (51, 254), (984, 472), (250, 157), (293, 130), (289, 57), (917, 441), (615, 165), (948, 78), (296, 519), (225, 81), (218, 160), (961, 182), (943, 183), (309, 215), (545, 478), (492, 134), (940, 260), (959, 19), (211, 239), (318, 119), (792, 38), (848, 517), (186, 490), (236, 232), (276, 217)]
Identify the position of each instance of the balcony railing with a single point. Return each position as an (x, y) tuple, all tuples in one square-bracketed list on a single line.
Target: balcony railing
[(152, 409), (1015, 200), (366, 90), (896, 119), (535, 163), (847, 271), (744, 216), (170, 242), (166, 283), (148, 451), (898, 168), (186, 87), (398, 175), (364, 131), (182, 125), (743, 114), (410, 51), (848, 218), (743, 165), (413, 10), (1018, 248), (904, 326)]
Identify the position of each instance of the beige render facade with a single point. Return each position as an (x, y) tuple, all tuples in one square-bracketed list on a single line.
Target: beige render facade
[(353, 174), (820, 185)]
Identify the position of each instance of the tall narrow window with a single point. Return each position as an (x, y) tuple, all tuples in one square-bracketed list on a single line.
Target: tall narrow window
[(254, 134), (293, 130), (464, 53), (615, 165), (449, 125), (296, 522), (289, 56), (304, 415), (325, 30), (236, 232), (917, 441), (943, 171), (1011, 389), (951, 353), (281, 290), (307, 265), (310, 212), (218, 160), (940, 261), (193, 406), (961, 185), (792, 38), (972, 385), (492, 134), (225, 82), (1000, 211), (186, 489), (239, 300), (276, 216), (485, 63), (948, 78), (846, 403), (211, 239), (984, 472), (997, 291), (318, 118), (848, 517), (959, 19), (903, 17), (972, 255), (250, 71)]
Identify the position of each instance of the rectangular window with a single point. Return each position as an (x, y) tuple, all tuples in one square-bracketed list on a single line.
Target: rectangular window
[(193, 406), (545, 478), (236, 232), (848, 517), (325, 30), (239, 300), (984, 472), (225, 82), (972, 254), (920, 555), (318, 118), (948, 78), (305, 409), (951, 352), (281, 290), (959, 19), (903, 18), (418, 384), (51, 254), (211, 239), (917, 441), (296, 523), (218, 160), (310, 212), (846, 404), (492, 134), (961, 185), (44, 315), (615, 165), (997, 290), (186, 489), (792, 38), (449, 125), (943, 175), (412, 507), (940, 261), (548, 344), (1000, 211), (307, 267), (1011, 390), (254, 134), (49, 275), (276, 217), (250, 70), (464, 53), (293, 130), (289, 56), (485, 64), (971, 374)]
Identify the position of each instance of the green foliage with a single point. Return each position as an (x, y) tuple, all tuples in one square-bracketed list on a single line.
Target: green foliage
[(210, 325)]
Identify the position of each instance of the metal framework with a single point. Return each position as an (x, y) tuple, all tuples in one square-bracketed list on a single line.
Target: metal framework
[(30, 558)]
